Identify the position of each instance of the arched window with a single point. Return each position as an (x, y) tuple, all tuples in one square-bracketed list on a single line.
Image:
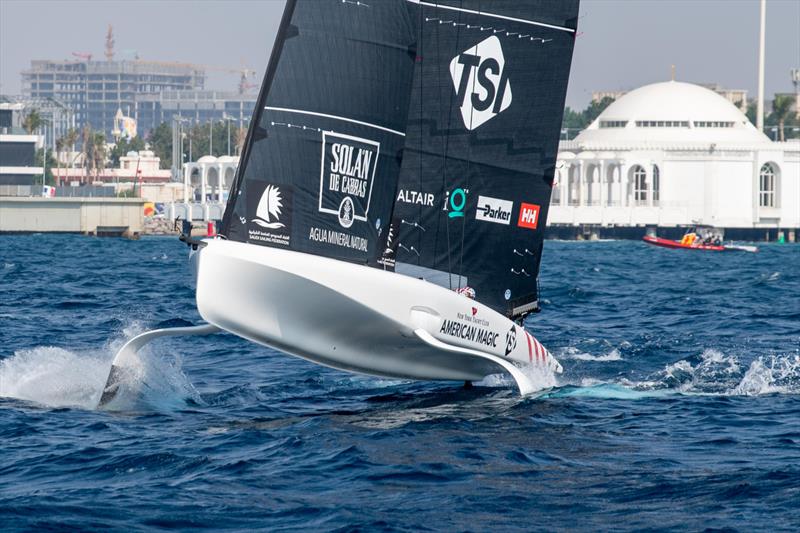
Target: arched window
[(767, 184), (639, 185), (656, 185)]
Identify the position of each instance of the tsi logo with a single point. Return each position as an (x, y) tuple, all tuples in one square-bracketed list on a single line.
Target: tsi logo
[(481, 82), (528, 216), (511, 340), (494, 210)]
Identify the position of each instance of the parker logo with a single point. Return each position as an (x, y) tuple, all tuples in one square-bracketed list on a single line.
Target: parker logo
[(528, 216), (346, 176), (481, 82), (494, 210)]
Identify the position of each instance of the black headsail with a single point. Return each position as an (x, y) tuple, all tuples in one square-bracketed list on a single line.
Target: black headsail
[(484, 122), (319, 170)]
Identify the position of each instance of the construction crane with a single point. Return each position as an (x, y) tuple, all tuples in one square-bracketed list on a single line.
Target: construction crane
[(244, 74), (110, 43)]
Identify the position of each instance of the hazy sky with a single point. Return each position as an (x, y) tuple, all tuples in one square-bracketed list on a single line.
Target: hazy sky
[(623, 43)]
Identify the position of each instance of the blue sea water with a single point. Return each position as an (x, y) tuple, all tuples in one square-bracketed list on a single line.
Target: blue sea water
[(679, 406)]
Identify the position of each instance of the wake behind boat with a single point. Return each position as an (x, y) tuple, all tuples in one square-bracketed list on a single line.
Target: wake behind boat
[(388, 212)]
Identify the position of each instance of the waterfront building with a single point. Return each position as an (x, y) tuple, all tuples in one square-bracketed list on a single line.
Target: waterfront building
[(96, 90), (136, 167), (18, 168), (197, 106), (57, 117), (737, 97), (673, 154)]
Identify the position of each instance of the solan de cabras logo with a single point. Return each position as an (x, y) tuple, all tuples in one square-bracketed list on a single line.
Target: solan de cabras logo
[(481, 82)]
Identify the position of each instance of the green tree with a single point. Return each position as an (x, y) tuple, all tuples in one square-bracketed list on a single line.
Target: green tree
[(595, 108), (202, 136), (197, 136), (160, 141), (751, 112), (574, 121), (33, 121), (781, 107), (98, 152), (124, 146), (50, 164)]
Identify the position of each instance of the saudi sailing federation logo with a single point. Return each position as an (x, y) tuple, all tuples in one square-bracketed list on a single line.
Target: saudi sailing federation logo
[(480, 79), (269, 206)]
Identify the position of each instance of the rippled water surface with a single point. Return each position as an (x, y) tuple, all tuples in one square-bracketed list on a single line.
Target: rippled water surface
[(679, 406)]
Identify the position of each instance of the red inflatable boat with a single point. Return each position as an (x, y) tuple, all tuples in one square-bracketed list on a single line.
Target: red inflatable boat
[(668, 243)]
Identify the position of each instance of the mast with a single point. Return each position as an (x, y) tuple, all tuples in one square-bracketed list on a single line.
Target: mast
[(761, 46)]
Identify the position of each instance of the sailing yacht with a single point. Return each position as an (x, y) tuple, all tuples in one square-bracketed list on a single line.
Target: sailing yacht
[(388, 212)]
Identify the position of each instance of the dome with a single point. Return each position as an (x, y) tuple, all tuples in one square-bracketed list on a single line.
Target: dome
[(671, 112), (207, 159)]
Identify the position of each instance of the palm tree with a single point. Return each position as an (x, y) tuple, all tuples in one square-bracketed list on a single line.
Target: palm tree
[(33, 121), (241, 137), (70, 138), (86, 134), (98, 143), (781, 107), (60, 144)]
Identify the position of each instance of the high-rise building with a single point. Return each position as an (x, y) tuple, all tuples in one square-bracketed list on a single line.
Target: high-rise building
[(18, 169), (194, 107), (95, 90)]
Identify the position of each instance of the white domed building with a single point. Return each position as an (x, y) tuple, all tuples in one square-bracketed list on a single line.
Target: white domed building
[(674, 154)]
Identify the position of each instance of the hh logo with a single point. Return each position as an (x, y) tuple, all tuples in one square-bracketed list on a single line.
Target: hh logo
[(481, 82), (528, 216)]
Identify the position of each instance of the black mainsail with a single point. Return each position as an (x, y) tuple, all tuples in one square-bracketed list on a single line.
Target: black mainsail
[(411, 135), (319, 170), (484, 122)]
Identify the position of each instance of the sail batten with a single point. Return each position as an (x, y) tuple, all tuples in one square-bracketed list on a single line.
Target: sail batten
[(326, 115), (479, 12)]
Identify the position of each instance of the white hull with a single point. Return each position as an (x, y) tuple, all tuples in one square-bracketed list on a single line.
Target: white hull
[(357, 318)]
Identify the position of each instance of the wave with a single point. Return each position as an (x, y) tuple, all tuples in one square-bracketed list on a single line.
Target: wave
[(542, 377), (57, 377), (571, 352), (712, 373)]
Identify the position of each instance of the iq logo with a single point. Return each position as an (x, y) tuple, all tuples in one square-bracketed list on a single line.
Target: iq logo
[(480, 80), (456, 200)]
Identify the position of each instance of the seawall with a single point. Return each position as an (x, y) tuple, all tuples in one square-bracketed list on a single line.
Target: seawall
[(89, 216)]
